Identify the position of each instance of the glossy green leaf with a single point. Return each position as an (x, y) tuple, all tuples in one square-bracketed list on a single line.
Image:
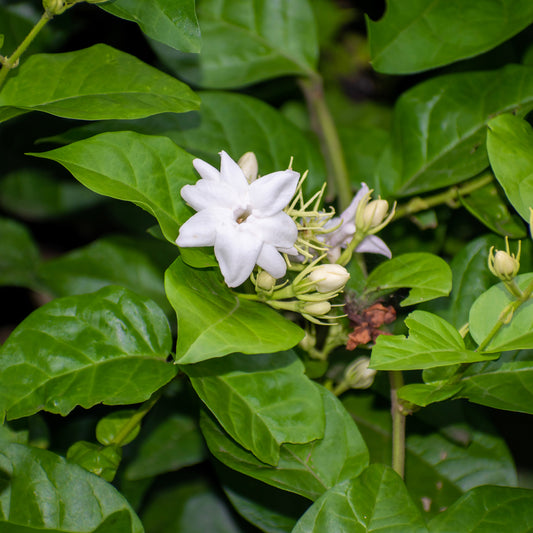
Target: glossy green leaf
[(425, 393), (488, 205), (173, 444), (168, 21), (111, 426), (510, 147), (377, 500), (503, 384), (487, 509), (102, 461), (109, 346), (35, 195), (415, 36), (94, 84), (246, 42), (262, 401), (432, 342), (127, 262), (485, 313), (449, 449), (19, 256), (146, 170), (427, 275), (47, 493), (213, 321), (439, 128), (306, 469)]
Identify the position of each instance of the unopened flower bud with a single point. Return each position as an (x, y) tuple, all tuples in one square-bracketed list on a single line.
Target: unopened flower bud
[(504, 265), (249, 166), (317, 308), (265, 281), (358, 375), (329, 278), (375, 212), (53, 7)]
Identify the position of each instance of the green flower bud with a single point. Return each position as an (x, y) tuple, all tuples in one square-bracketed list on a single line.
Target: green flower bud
[(375, 212), (329, 278), (358, 375), (504, 265), (317, 308), (265, 281), (249, 166), (53, 7)]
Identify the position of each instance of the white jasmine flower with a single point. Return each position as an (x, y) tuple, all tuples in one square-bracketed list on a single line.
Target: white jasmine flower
[(245, 222), (341, 237)]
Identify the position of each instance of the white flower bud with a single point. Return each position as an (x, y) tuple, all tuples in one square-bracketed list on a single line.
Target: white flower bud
[(265, 281), (53, 7), (505, 265), (329, 278), (317, 308), (375, 212), (358, 375), (249, 166)]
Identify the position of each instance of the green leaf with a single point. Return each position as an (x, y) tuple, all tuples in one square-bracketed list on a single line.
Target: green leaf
[(487, 509), (109, 427), (109, 346), (127, 262), (415, 36), (246, 42), (306, 469), (246, 392), (426, 393), (375, 501), (167, 21), (100, 460), (36, 195), (432, 342), (439, 128), (94, 84), (510, 145), (485, 313), (19, 256), (173, 444), (503, 384), (146, 170), (47, 493), (213, 321), (427, 275)]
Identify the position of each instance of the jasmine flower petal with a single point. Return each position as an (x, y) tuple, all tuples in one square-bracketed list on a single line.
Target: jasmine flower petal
[(207, 194), (278, 230), (232, 174), (207, 171), (374, 245), (201, 228), (272, 261), (273, 192)]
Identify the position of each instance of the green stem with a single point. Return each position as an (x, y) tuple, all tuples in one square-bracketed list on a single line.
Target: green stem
[(346, 255), (398, 424), (447, 197), (338, 178), (9, 63)]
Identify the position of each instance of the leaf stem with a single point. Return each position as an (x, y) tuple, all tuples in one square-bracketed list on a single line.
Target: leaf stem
[(322, 122), (398, 424), (447, 197)]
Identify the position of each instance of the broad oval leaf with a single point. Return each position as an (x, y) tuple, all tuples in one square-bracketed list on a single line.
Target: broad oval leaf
[(486, 509), (102, 461), (485, 313), (262, 401), (245, 42), (377, 500), (427, 275), (432, 342), (105, 347), (306, 469), (510, 147), (168, 21), (44, 492), (415, 35), (146, 170), (213, 321), (94, 84), (424, 394), (109, 428), (439, 128)]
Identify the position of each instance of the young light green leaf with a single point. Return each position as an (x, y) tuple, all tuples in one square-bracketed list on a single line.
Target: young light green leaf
[(245, 393), (213, 321), (415, 36), (427, 275), (19, 256), (94, 84), (109, 346), (47, 493), (432, 342), (426, 393), (109, 427), (247, 42), (510, 148), (306, 469), (486, 311), (102, 461), (487, 509), (439, 128), (146, 170), (167, 21), (377, 500)]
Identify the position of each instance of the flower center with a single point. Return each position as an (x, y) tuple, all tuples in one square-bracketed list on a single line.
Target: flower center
[(242, 214)]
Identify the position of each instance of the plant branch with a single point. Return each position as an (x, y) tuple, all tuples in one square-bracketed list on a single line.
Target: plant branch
[(398, 424)]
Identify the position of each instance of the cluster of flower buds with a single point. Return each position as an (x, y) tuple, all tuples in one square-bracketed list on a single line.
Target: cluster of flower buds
[(504, 264)]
